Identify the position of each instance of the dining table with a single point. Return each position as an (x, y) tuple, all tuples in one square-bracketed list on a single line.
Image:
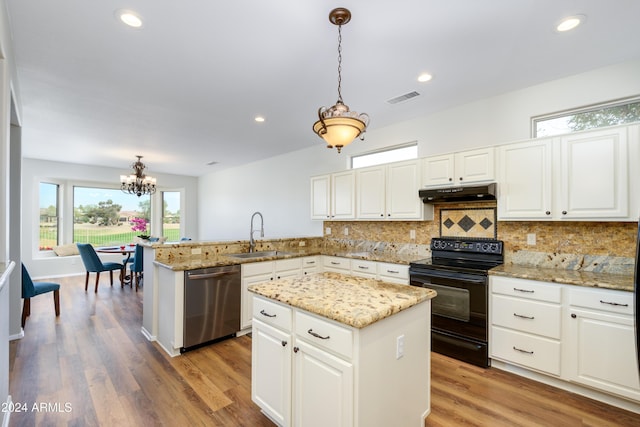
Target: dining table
[(126, 250)]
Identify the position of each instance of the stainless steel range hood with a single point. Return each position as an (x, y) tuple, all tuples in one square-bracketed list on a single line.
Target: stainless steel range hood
[(461, 193)]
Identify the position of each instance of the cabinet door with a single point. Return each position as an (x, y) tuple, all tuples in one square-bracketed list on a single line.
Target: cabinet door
[(343, 204), (271, 371), (602, 352), (323, 388), (594, 177), (310, 265), (438, 170), (246, 302), (371, 193), (475, 165), (525, 176), (287, 268), (403, 183), (321, 197)]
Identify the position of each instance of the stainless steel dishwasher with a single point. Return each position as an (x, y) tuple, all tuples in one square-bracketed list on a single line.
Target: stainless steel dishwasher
[(211, 304)]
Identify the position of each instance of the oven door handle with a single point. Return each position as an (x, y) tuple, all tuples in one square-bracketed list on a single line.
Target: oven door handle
[(471, 278)]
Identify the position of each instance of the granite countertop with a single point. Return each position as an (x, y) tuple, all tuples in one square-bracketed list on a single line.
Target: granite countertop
[(621, 282), (217, 260), (353, 301)]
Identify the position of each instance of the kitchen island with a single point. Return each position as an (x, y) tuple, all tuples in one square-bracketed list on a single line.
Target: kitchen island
[(339, 350)]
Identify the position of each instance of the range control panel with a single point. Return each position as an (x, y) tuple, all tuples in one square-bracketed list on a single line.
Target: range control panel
[(485, 246)]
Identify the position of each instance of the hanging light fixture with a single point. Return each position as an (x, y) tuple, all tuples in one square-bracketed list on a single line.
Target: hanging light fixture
[(138, 183), (337, 125)]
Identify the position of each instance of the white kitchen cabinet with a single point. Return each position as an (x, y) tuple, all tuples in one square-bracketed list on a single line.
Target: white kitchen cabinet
[(594, 176), (332, 380), (580, 176), (389, 192), (256, 272), (336, 264), (460, 168), (525, 180), (526, 323), (601, 341), (393, 273), (333, 196), (271, 360), (364, 268), (311, 264)]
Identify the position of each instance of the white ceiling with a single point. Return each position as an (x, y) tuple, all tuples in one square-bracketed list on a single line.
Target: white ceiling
[(184, 90)]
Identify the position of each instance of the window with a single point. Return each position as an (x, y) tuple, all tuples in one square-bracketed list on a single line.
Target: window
[(49, 217), (171, 215), (601, 115), (106, 216), (395, 154)]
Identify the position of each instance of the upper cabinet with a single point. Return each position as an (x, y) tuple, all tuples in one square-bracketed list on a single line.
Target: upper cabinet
[(460, 168), (333, 196), (389, 192), (580, 176)]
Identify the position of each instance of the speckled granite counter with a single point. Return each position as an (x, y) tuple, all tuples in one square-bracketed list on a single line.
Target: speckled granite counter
[(623, 282), (353, 301)]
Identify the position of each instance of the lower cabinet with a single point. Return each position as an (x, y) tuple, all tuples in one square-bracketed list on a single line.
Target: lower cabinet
[(601, 341), (309, 371), (578, 335)]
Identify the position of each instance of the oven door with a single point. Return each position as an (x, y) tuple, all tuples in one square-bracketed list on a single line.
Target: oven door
[(459, 313)]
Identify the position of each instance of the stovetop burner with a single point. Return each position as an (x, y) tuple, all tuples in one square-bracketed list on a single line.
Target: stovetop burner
[(463, 254)]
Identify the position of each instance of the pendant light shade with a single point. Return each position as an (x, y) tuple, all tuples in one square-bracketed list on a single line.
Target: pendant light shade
[(337, 125)]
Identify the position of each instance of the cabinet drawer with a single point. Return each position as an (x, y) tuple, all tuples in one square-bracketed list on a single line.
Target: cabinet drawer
[(523, 288), (310, 262), (527, 350), (255, 268), (527, 316), (360, 267), (272, 313), (393, 270), (288, 264), (334, 262), (605, 300), (324, 334)]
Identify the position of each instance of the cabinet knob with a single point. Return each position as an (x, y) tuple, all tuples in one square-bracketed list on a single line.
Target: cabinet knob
[(460, 178), (573, 315), (548, 212), (284, 343), (388, 214), (381, 214), (564, 212), (450, 179), (295, 349)]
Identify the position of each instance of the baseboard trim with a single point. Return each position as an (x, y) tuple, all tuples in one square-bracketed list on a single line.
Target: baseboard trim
[(147, 335), (17, 336)]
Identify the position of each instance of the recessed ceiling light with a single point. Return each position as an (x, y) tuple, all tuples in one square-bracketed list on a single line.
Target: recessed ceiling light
[(259, 119), (569, 23), (424, 77), (129, 17)]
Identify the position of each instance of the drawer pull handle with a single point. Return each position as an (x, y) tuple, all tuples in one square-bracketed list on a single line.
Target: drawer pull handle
[(264, 313), (614, 303), (521, 350), (363, 267), (393, 271), (335, 263), (523, 316), (311, 262), (523, 290), (310, 332)]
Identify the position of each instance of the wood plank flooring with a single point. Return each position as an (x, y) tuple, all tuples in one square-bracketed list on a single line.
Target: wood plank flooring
[(94, 360)]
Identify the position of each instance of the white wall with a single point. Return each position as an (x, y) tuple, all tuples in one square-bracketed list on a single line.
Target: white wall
[(279, 186), (34, 170)]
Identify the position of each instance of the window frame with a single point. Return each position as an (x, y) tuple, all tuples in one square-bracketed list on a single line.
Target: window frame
[(575, 111), (412, 144), (60, 215)]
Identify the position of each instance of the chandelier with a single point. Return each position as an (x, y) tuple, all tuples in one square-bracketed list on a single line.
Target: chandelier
[(138, 183), (337, 125)]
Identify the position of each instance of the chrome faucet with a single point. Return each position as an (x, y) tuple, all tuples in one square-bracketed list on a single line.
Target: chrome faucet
[(252, 243)]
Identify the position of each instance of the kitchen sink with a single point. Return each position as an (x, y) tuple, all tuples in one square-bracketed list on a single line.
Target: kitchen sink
[(260, 254)]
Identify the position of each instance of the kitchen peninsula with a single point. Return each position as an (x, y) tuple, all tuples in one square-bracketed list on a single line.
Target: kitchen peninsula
[(334, 349)]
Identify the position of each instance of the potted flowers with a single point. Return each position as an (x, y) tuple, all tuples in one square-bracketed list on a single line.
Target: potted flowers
[(140, 224)]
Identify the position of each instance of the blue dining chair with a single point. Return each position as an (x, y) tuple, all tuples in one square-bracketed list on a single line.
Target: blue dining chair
[(93, 264), (30, 289), (136, 267)]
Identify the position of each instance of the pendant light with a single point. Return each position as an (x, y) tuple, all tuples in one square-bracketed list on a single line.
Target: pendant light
[(337, 125), (138, 183)]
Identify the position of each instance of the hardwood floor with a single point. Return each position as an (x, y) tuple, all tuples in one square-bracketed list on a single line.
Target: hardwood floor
[(92, 367)]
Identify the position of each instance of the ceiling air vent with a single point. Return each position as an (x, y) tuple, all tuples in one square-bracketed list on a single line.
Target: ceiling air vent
[(403, 98)]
